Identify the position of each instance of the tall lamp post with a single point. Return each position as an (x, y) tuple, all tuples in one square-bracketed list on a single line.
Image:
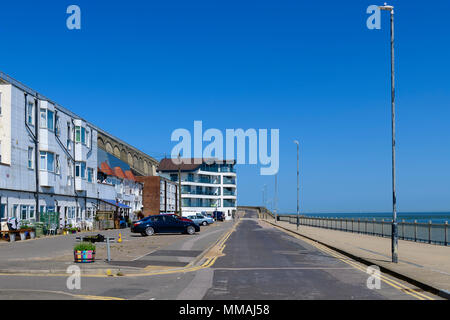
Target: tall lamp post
[(394, 237), (179, 185), (298, 182)]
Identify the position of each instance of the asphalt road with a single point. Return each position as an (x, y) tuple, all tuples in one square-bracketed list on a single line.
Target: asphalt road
[(258, 262)]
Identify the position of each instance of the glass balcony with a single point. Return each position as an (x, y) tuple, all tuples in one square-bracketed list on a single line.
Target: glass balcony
[(205, 203), (229, 192), (228, 180), (229, 203)]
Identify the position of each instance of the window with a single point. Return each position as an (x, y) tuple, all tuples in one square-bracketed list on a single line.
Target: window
[(23, 212), (2, 211), (47, 119), (83, 135), (30, 157), (57, 126), (58, 170), (80, 170), (80, 134), (30, 109), (15, 211), (90, 174), (47, 162), (71, 213), (41, 209), (43, 118), (87, 139), (31, 212)]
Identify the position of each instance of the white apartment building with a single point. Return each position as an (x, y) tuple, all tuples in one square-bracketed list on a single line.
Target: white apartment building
[(48, 160), (206, 185)]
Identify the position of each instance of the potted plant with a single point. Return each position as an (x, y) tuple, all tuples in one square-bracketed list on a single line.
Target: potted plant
[(23, 230), (32, 232), (73, 230), (84, 252)]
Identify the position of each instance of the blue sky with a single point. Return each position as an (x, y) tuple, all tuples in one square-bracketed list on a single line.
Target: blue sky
[(141, 69)]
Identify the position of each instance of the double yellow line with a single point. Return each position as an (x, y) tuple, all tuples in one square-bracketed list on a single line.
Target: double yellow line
[(221, 246), (393, 283)]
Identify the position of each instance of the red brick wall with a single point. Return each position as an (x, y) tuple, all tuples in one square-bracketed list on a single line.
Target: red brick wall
[(150, 195)]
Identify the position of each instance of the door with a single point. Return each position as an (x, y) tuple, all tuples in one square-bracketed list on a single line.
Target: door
[(161, 224), (174, 224)]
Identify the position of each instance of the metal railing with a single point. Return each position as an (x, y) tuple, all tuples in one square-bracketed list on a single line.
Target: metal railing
[(432, 233)]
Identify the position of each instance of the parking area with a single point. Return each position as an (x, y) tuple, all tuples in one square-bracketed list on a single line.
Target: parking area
[(135, 251)]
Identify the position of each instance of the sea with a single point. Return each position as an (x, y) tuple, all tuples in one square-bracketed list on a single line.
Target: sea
[(421, 217)]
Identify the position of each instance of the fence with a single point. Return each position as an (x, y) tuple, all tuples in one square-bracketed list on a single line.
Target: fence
[(431, 233)]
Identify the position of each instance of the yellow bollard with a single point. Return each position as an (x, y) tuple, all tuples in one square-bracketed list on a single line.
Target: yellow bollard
[(120, 238)]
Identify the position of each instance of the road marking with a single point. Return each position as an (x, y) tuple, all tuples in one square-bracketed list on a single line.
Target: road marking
[(401, 287), (90, 297)]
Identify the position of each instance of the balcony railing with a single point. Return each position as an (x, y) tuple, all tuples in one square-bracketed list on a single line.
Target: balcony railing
[(229, 180), (229, 192)]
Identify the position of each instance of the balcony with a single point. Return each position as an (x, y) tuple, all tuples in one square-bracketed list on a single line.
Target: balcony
[(229, 192), (203, 192), (229, 203), (228, 180)]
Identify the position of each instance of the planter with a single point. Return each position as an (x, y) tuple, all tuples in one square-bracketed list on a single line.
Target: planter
[(12, 237), (32, 234), (87, 256), (23, 235)]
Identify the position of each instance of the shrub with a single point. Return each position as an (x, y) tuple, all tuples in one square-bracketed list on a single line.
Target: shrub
[(84, 246)]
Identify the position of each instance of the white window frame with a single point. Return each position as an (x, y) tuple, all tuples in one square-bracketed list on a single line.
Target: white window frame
[(82, 173), (30, 163), (44, 155), (30, 118)]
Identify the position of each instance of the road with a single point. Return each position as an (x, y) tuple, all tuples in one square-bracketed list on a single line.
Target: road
[(258, 261)]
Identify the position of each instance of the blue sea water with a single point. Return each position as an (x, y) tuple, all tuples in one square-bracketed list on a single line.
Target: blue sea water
[(422, 217)]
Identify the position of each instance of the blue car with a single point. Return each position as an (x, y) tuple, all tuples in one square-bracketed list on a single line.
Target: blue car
[(201, 220), (163, 224)]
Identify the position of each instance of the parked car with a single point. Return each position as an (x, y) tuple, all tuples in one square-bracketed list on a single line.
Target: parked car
[(210, 215), (201, 220), (164, 224), (219, 216), (177, 217)]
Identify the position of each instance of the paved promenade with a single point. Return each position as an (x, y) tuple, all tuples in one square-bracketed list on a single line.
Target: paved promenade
[(427, 264)]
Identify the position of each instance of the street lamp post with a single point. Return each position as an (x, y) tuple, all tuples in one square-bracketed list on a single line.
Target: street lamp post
[(298, 182), (394, 237)]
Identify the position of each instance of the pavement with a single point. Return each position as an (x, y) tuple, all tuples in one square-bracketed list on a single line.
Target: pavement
[(425, 265), (248, 259), (135, 255)]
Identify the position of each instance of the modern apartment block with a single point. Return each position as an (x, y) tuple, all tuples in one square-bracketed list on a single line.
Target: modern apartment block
[(49, 160), (206, 185), (159, 195)]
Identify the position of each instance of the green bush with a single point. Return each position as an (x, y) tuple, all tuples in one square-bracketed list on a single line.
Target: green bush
[(84, 246)]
